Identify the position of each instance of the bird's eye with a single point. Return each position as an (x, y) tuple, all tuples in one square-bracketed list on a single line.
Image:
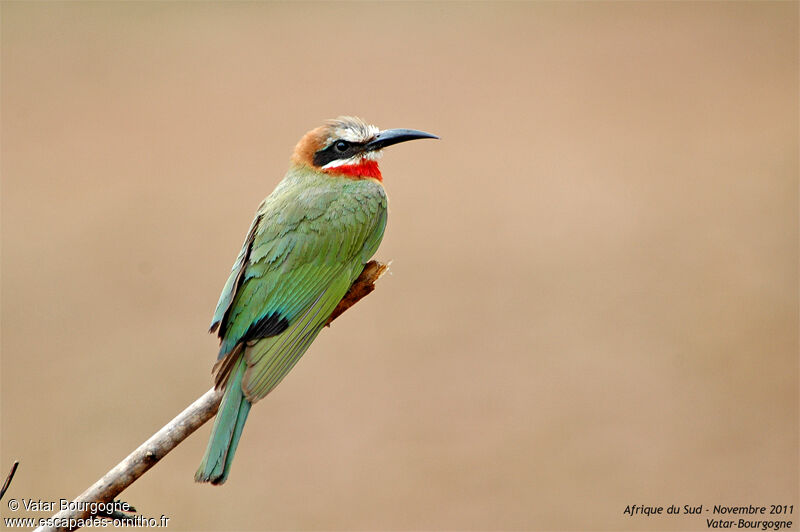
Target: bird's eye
[(341, 145)]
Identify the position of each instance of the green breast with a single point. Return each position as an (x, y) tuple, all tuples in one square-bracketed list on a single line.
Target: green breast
[(310, 231)]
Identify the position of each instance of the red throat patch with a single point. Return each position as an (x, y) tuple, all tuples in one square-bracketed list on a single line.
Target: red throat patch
[(364, 169)]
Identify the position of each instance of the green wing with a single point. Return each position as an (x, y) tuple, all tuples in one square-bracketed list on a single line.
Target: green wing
[(309, 241)]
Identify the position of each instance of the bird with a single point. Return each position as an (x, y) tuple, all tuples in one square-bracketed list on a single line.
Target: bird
[(308, 242)]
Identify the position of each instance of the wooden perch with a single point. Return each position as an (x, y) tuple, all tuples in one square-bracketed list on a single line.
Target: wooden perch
[(173, 433), (361, 287), (10, 477)]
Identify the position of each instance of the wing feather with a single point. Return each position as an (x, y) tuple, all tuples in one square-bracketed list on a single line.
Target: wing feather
[(305, 247), (235, 278), (269, 360)]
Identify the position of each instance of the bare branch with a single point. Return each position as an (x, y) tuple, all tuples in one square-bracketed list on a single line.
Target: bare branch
[(362, 286), (173, 433), (10, 476), (139, 461)]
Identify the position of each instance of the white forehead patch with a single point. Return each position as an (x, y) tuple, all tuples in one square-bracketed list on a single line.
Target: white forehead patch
[(353, 134), (351, 129)]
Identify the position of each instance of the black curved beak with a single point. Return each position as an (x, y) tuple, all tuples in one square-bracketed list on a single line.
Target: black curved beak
[(387, 137)]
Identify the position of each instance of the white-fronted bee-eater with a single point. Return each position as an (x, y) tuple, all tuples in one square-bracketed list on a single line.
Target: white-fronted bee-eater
[(309, 241)]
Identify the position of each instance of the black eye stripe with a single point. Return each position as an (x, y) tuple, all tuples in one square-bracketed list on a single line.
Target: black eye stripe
[(331, 153)]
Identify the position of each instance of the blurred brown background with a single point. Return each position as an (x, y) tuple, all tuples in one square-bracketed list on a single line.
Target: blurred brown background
[(594, 289)]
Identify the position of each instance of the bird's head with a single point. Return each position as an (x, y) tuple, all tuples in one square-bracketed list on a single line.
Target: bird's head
[(349, 146)]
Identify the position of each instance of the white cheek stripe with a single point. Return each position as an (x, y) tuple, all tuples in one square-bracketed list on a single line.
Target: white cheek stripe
[(370, 156), (341, 162)]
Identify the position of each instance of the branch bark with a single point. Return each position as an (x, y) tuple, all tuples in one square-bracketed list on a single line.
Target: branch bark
[(9, 478), (173, 433)]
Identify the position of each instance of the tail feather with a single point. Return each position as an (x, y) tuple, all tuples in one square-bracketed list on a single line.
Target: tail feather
[(228, 425)]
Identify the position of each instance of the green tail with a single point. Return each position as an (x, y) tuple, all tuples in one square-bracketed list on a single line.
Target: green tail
[(227, 430)]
